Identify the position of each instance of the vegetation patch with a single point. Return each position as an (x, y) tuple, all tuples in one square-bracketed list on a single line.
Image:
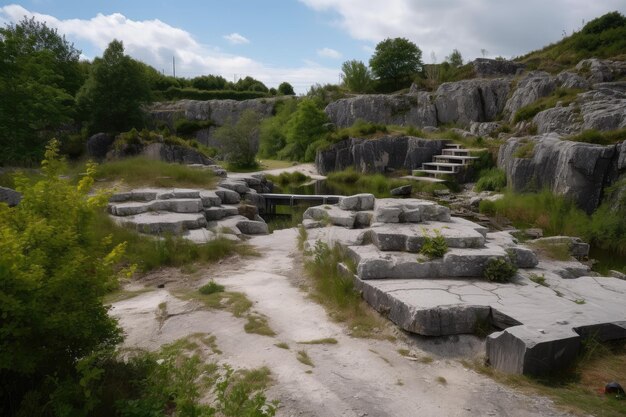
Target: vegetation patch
[(554, 250), (282, 345), (526, 150), (211, 288), (289, 179), (493, 179), (304, 358), (599, 138), (538, 279), (188, 127), (257, 324), (434, 247), (324, 341), (351, 182), (499, 270)]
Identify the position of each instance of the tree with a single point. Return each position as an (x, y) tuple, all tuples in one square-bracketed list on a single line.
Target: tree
[(305, 127), (111, 99), (53, 275), (209, 82), (396, 61), (455, 58), (238, 139), (356, 76), (250, 84), (286, 89), (39, 74), (272, 137)]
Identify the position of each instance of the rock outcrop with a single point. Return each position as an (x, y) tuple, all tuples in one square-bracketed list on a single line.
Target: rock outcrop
[(531, 88), (478, 100), (98, 145), (217, 112), (573, 169), (377, 155), (485, 67), (391, 109), (162, 152), (10, 196)]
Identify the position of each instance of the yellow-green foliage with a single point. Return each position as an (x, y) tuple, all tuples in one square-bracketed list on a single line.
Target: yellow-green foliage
[(434, 247), (54, 271)]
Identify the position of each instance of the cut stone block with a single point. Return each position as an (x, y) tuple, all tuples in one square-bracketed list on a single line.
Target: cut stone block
[(357, 202), (409, 210), (178, 193), (239, 187), (218, 213), (251, 227), (200, 236), (178, 205), (228, 196), (331, 214), (210, 199), (160, 223), (523, 257)]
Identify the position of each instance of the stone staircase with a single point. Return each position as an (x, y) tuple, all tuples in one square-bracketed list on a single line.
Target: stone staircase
[(453, 157)]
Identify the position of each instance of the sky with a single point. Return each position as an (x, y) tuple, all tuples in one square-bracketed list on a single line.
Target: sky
[(303, 42)]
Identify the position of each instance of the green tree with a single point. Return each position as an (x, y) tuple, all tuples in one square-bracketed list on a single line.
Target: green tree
[(39, 74), (356, 76), (273, 136), (209, 82), (111, 99), (250, 84), (53, 275), (455, 58), (286, 89), (239, 139), (305, 127), (396, 61)]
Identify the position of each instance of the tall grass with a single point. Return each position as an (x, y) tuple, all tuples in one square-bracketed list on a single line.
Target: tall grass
[(493, 179), (600, 138), (351, 182)]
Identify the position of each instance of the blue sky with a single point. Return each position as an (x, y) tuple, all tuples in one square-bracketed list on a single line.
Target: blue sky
[(304, 41)]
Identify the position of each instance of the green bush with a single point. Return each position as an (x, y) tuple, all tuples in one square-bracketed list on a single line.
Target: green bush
[(289, 178), (176, 93), (211, 288), (499, 270), (238, 139), (273, 135), (434, 247), (493, 179)]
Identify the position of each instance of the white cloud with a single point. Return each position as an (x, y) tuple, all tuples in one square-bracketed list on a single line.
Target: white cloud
[(506, 28), (329, 53), (155, 42), (236, 39)]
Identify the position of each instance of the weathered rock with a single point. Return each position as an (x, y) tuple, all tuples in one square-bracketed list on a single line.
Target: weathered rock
[(175, 154), (409, 210), (463, 102), (251, 227), (576, 170), (248, 211), (10, 196), (603, 108), (331, 215), (534, 232), (562, 120), (599, 70), (568, 79), (535, 85), (162, 223), (98, 145), (236, 185), (522, 257), (209, 198), (524, 350), (256, 200), (228, 196), (617, 274), (410, 237), (484, 128), (485, 67), (397, 109), (402, 190), (576, 246), (379, 155), (357, 202), (218, 213)]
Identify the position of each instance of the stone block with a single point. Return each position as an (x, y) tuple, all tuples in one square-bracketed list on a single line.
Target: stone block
[(251, 227), (357, 202), (228, 196)]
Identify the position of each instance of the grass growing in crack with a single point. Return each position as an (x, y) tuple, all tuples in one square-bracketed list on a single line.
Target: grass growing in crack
[(325, 341), (235, 302), (282, 345), (304, 358), (580, 301), (525, 151), (121, 295), (336, 292), (538, 279), (580, 388), (434, 247), (404, 352), (257, 324)]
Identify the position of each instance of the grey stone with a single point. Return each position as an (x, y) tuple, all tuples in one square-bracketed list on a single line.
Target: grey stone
[(577, 247), (523, 257), (161, 223), (534, 232), (210, 198), (567, 79), (357, 202), (477, 100), (363, 218), (389, 109), (617, 274), (535, 85), (485, 67), (331, 215), (218, 213), (402, 190), (238, 186), (98, 145), (524, 350), (256, 200), (377, 155), (409, 210), (251, 227), (562, 120), (573, 169), (178, 205), (228, 196), (10, 196), (598, 70), (484, 128), (177, 193), (311, 224)]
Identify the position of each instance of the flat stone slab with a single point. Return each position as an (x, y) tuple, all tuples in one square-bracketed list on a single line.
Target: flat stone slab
[(409, 210), (163, 222), (175, 205)]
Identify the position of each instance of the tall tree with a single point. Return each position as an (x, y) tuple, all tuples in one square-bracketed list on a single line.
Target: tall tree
[(455, 58), (356, 76), (39, 74), (111, 99), (286, 89), (396, 61)]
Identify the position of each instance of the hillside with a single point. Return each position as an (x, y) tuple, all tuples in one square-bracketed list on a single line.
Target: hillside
[(603, 37)]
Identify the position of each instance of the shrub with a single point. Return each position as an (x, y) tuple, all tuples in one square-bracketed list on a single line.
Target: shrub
[(273, 136), (499, 270), (285, 89), (176, 93), (434, 247), (238, 139), (493, 179), (211, 288)]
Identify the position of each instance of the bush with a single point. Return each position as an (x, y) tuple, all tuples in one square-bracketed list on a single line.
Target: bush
[(493, 179), (176, 93), (238, 139), (499, 270), (434, 247), (211, 288), (273, 136)]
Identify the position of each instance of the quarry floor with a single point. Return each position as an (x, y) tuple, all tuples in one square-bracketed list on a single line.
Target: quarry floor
[(355, 377)]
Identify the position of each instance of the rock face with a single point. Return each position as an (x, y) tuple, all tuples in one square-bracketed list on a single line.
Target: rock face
[(218, 112), (162, 151), (397, 109), (10, 196), (576, 170), (535, 85), (463, 102), (601, 70), (485, 67), (378, 155)]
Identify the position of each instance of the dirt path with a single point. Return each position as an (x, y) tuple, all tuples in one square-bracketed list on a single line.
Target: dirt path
[(355, 377)]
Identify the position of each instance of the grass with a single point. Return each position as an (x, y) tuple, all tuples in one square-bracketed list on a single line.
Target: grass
[(282, 345), (121, 295), (554, 250), (493, 179), (525, 151), (304, 358), (275, 164), (141, 171), (235, 302), (599, 138), (441, 380), (257, 324), (564, 95), (287, 179), (211, 288), (149, 253), (302, 237), (579, 389), (538, 279), (350, 182), (337, 294), (325, 341)]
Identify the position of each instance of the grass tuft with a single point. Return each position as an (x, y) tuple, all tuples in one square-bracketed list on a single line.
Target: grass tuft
[(493, 179), (282, 345), (325, 341), (304, 358), (211, 288)]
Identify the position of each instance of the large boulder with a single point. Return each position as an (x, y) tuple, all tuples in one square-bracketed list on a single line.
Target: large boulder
[(485, 67), (479, 100), (561, 120), (574, 169), (391, 109), (601, 70), (379, 155), (531, 88), (604, 107), (98, 145), (10, 196)]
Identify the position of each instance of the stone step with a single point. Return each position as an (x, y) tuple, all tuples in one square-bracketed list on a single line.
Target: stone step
[(464, 160), (158, 223), (459, 152), (218, 213), (423, 179), (178, 205), (431, 172), (453, 146), (441, 166), (150, 194)]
